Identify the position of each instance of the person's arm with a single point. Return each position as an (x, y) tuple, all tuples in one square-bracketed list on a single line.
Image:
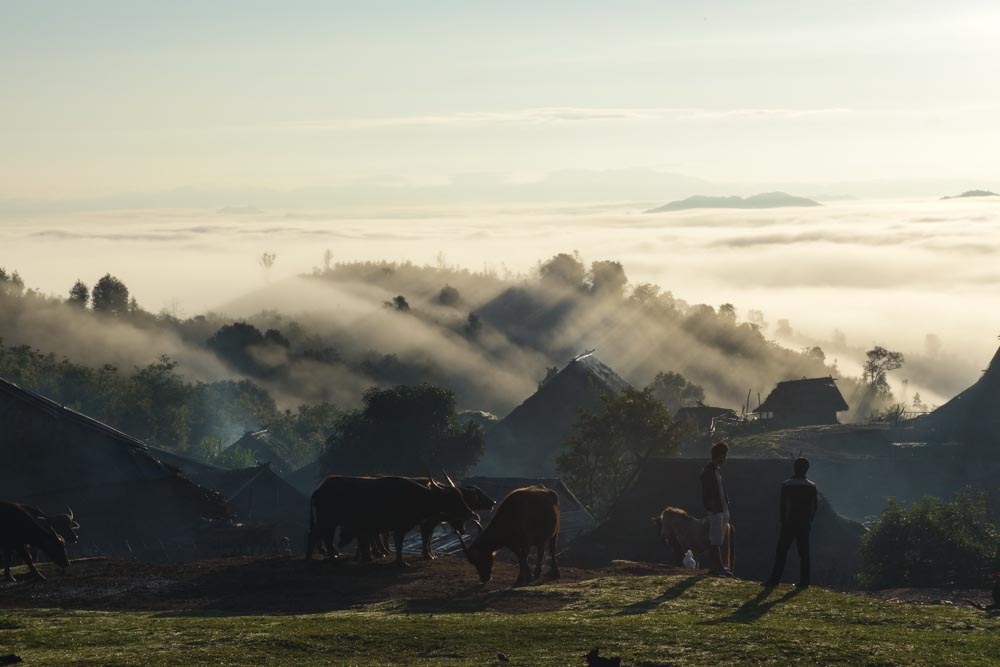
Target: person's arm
[(815, 504)]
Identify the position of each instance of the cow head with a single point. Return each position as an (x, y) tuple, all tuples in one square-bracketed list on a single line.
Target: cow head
[(482, 559), (476, 499), (453, 508), (54, 547), (65, 525)]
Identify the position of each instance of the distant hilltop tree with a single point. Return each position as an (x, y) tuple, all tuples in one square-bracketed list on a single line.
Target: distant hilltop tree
[(607, 278), (110, 296), (449, 296), (79, 294), (398, 303), (675, 392), (563, 269), (11, 283)]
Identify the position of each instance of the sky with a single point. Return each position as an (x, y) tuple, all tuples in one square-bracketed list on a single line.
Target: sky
[(120, 99)]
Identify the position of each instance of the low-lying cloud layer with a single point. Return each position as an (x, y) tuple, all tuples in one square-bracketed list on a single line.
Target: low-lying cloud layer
[(876, 272)]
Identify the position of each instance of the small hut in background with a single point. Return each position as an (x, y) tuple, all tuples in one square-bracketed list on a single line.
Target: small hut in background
[(265, 447), (804, 402)]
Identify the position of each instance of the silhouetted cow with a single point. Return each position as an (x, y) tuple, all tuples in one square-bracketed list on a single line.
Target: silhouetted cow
[(19, 530), (474, 498), (366, 506), (527, 517), (64, 524)]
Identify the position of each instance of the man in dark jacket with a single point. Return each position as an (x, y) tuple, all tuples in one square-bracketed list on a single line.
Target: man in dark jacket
[(716, 502), (798, 507)]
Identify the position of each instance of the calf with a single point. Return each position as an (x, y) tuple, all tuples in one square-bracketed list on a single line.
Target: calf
[(527, 517), (19, 530)]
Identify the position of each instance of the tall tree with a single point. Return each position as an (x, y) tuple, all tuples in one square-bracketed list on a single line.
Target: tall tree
[(110, 296), (406, 430), (609, 444), (10, 283), (879, 362), (79, 294)]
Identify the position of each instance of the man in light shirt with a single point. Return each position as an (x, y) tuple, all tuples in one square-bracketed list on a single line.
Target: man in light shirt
[(716, 502)]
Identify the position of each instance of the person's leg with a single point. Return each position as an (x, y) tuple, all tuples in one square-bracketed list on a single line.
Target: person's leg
[(785, 538), (802, 545)]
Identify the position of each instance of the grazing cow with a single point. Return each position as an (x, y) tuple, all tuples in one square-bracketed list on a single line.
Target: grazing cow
[(19, 530), (65, 525), (527, 517), (682, 531), (367, 506)]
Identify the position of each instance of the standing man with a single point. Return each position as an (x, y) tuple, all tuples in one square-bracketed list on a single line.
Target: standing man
[(716, 502), (798, 507)]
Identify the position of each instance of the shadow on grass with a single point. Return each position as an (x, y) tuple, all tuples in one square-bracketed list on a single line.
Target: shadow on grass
[(671, 593), (755, 608)]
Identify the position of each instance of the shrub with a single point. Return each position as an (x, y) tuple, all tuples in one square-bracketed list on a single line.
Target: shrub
[(932, 542)]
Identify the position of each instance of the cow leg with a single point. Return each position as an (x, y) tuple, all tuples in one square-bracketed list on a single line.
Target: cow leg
[(365, 547), (399, 535), (541, 557), (426, 532), (30, 563), (383, 544), (6, 565), (553, 565), (524, 572)]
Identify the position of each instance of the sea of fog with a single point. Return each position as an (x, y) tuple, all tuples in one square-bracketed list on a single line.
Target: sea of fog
[(845, 275)]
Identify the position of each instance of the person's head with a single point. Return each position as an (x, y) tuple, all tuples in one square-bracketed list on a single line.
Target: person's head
[(801, 467), (720, 451)]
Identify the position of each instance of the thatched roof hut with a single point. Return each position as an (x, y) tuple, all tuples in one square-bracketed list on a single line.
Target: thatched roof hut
[(268, 448), (528, 440), (127, 500), (803, 402)]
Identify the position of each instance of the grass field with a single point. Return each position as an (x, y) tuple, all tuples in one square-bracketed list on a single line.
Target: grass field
[(649, 617)]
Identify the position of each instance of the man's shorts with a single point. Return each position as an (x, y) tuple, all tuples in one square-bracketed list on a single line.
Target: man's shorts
[(717, 528)]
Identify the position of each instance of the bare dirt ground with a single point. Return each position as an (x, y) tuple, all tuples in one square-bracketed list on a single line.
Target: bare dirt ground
[(287, 585), (945, 596)]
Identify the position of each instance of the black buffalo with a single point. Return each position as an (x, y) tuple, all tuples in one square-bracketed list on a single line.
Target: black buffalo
[(19, 531), (367, 506)]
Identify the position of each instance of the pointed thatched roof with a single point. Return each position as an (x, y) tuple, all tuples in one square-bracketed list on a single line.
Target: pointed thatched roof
[(268, 448), (972, 416), (54, 456), (795, 395), (528, 440)]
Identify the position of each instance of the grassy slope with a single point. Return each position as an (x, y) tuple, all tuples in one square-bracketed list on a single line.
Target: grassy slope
[(652, 620)]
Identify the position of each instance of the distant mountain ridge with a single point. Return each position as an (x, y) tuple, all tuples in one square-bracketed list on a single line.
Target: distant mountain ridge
[(762, 200), (973, 193)]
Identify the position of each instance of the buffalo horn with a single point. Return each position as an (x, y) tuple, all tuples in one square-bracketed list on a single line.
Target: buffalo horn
[(450, 480), (70, 510), (461, 541)]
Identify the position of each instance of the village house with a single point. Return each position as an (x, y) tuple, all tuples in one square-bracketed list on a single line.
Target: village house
[(804, 402)]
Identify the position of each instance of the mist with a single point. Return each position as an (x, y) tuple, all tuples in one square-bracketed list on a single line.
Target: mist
[(844, 276)]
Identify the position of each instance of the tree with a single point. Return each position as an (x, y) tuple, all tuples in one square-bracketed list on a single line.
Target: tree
[(728, 311), (158, 405), (110, 296), (675, 392), (932, 542), (473, 325), (449, 296), (404, 430), (397, 303), (609, 444), (815, 352), (607, 278), (563, 269), (266, 261), (11, 284), (79, 294), (879, 363)]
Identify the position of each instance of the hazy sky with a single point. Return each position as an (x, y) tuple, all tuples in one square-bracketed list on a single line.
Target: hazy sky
[(103, 98)]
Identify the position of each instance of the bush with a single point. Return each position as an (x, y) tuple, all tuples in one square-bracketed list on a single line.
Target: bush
[(932, 542)]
